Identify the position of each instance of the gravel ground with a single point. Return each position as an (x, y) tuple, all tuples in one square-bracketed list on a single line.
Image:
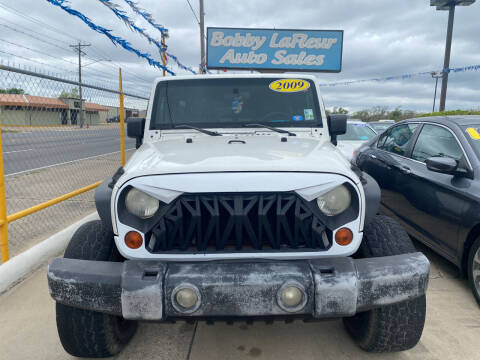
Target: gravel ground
[(32, 188)]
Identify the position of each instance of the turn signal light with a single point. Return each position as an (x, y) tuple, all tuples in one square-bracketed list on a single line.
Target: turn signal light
[(133, 240), (343, 236)]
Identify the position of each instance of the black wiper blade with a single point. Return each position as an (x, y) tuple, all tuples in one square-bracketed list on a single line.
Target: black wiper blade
[(205, 131), (281, 131)]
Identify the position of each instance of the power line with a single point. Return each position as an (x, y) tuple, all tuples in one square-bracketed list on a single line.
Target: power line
[(62, 48), (37, 51), (32, 36), (56, 30), (37, 21), (193, 12)]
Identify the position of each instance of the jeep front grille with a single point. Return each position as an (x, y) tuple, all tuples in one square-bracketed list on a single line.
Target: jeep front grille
[(238, 222)]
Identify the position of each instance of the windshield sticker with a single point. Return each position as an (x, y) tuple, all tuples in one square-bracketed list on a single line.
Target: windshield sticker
[(297, 117), (308, 114), (237, 104), (473, 133), (289, 85)]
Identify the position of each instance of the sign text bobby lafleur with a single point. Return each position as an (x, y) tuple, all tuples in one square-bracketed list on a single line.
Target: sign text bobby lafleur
[(295, 50)]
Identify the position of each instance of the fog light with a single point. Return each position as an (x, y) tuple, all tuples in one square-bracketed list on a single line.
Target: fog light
[(186, 298), (133, 240), (292, 297)]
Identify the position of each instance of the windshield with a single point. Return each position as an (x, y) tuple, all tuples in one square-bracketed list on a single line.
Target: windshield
[(357, 132), (472, 133), (380, 127), (227, 103)]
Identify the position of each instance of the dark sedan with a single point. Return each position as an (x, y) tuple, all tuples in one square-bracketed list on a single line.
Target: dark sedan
[(429, 173), (380, 126)]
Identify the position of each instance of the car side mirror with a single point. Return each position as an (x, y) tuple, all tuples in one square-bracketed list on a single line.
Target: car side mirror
[(442, 164), (337, 125), (135, 129)]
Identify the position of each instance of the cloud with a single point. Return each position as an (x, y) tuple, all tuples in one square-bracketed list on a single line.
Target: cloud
[(382, 38)]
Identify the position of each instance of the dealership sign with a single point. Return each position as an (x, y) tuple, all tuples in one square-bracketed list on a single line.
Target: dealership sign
[(271, 49)]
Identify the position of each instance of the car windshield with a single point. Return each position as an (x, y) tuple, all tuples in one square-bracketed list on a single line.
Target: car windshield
[(357, 132), (472, 132), (232, 102), (380, 127)]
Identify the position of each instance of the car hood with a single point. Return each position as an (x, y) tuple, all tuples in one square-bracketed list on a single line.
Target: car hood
[(347, 147), (237, 154)]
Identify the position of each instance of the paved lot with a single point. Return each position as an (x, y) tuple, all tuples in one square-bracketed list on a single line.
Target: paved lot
[(39, 147), (452, 330)]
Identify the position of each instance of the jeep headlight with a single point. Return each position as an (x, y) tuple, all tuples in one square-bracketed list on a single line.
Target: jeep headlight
[(141, 204), (335, 201)]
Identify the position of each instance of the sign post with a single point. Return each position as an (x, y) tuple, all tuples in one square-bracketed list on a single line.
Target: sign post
[(274, 50)]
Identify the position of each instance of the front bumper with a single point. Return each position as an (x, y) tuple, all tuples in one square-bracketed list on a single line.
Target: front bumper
[(333, 287)]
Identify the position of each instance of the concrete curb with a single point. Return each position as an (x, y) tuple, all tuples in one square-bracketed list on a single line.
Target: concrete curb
[(22, 265)]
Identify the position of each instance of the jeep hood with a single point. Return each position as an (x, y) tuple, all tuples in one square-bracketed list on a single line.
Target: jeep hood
[(237, 154)]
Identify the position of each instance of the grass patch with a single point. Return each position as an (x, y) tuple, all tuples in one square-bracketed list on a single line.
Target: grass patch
[(451, 112)]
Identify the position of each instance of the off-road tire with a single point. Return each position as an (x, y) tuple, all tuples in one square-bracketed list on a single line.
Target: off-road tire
[(85, 333), (472, 266), (394, 327)]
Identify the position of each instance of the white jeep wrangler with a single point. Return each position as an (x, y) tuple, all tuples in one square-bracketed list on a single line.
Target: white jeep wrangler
[(238, 206)]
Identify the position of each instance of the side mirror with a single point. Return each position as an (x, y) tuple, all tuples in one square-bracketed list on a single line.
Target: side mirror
[(442, 164), (135, 129), (337, 125)]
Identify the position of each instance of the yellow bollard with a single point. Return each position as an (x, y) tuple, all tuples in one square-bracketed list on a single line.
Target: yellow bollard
[(3, 209), (122, 117)]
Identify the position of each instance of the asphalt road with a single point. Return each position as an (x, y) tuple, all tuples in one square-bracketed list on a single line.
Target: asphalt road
[(28, 150)]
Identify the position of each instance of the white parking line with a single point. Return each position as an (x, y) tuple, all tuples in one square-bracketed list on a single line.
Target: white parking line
[(16, 151), (64, 163)]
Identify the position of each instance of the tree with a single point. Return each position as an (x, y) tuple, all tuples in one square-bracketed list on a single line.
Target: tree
[(72, 94), (339, 110), (17, 91)]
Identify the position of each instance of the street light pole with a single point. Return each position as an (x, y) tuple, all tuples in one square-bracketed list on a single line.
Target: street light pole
[(446, 61), (202, 37), (450, 6), (435, 75)]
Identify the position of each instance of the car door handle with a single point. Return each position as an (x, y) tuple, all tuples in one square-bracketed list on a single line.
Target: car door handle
[(404, 169), (373, 156)]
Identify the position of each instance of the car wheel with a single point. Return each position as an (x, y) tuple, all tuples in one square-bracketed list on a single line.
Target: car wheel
[(474, 269), (394, 327), (86, 333)]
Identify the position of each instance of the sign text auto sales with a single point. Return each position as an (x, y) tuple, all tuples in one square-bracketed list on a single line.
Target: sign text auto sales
[(310, 50)]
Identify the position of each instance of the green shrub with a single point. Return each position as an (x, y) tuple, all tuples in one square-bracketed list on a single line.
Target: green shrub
[(451, 112)]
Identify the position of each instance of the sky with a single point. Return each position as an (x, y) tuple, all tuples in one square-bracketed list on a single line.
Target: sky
[(381, 38)]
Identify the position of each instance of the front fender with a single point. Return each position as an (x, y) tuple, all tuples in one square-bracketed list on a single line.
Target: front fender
[(103, 195), (372, 196)]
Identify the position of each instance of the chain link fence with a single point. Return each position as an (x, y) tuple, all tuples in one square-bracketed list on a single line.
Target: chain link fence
[(55, 143)]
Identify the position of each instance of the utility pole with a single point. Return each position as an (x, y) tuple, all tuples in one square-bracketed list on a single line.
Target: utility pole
[(164, 51), (202, 37), (78, 48), (446, 61)]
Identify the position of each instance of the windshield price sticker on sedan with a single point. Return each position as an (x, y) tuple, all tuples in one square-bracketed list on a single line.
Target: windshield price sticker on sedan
[(288, 50), (289, 85), (473, 133)]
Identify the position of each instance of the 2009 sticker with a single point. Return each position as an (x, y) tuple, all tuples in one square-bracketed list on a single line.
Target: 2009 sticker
[(473, 133), (289, 85)]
